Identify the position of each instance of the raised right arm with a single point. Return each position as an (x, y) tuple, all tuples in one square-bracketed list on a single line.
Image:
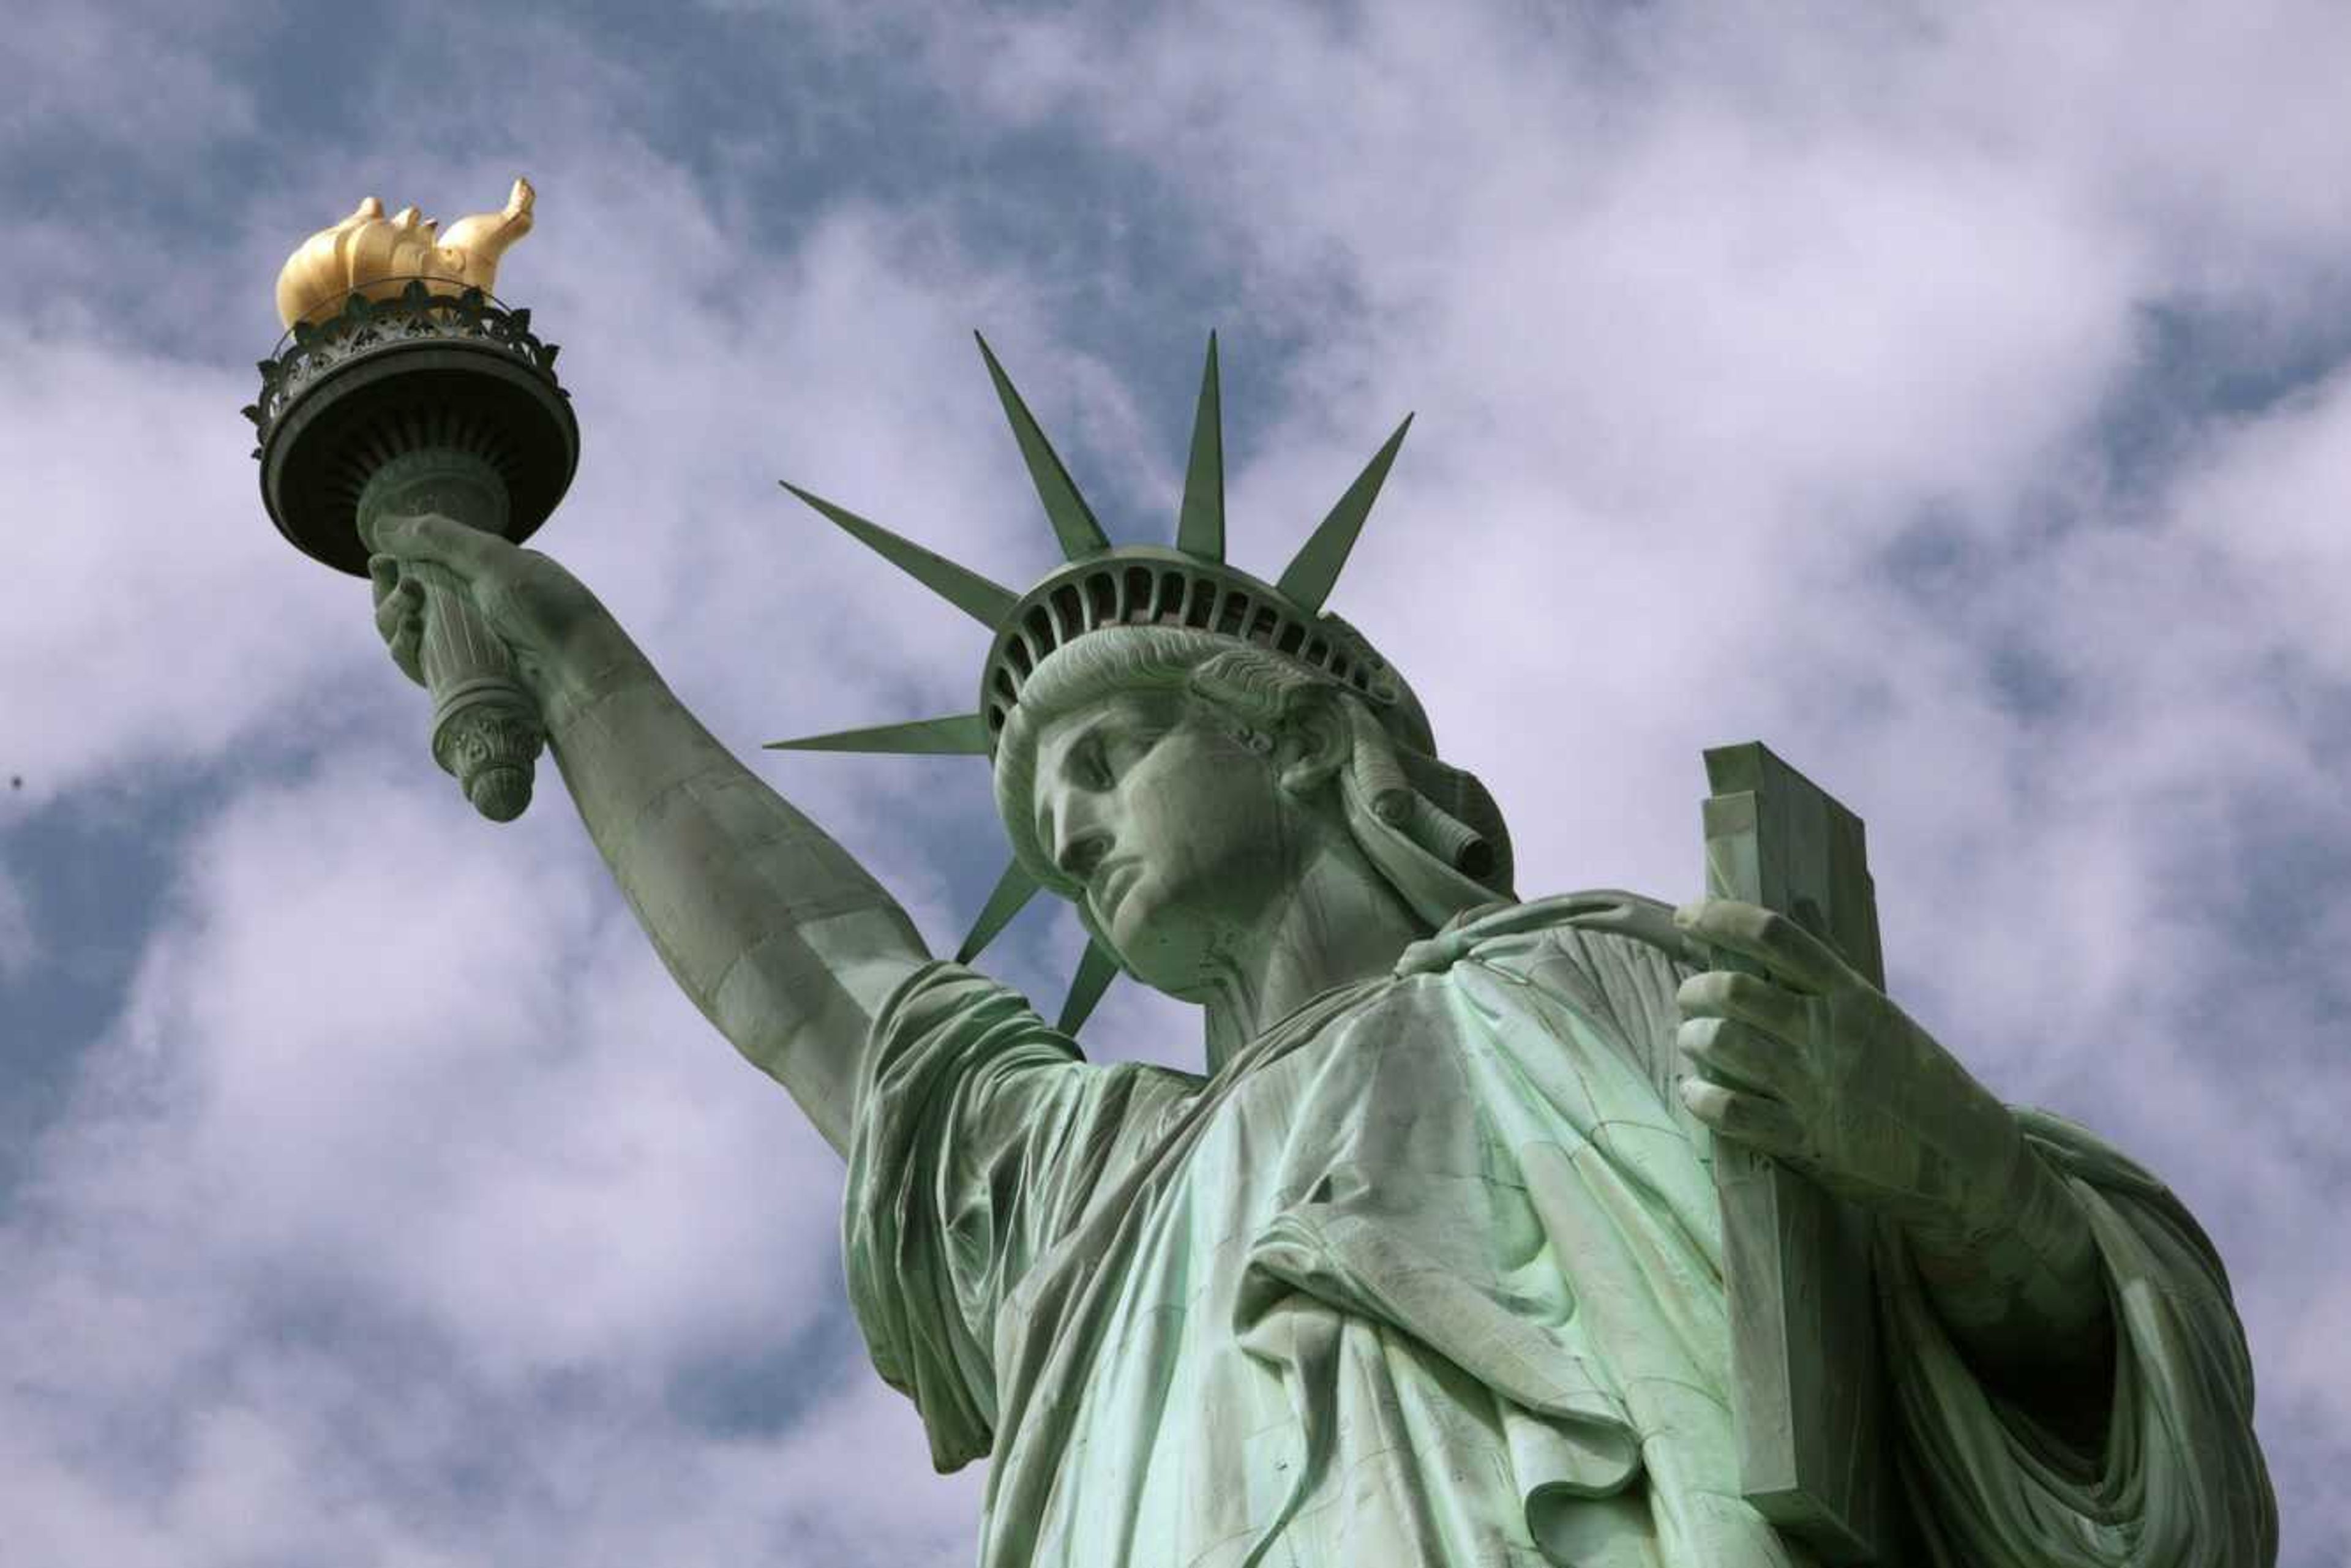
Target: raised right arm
[(783, 940), (786, 944)]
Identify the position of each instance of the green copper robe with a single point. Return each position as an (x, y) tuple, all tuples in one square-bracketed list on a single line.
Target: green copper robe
[(1431, 1273)]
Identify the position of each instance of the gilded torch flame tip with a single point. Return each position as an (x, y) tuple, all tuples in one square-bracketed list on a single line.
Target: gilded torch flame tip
[(370, 253)]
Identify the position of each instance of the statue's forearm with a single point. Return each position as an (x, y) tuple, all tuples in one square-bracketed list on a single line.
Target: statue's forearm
[(783, 940), (2023, 1294)]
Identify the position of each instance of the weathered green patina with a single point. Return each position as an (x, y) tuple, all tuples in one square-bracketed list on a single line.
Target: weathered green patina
[(1427, 1265)]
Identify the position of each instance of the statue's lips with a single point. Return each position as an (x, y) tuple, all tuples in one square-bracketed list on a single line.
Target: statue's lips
[(1116, 878)]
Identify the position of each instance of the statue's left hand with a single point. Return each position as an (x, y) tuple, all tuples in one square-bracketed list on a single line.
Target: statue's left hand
[(1814, 1065)]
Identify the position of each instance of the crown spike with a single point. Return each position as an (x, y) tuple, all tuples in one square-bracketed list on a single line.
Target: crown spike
[(1097, 970), (1200, 524), (1307, 580), (1013, 892), (958, 735), (1072, 520), (989, 603)]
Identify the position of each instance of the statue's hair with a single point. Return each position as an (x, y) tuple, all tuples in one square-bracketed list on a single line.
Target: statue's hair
[(1443, 810)]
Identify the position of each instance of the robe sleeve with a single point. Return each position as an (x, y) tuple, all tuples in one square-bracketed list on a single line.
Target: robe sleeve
[(2180, 1480), (981, 1132)]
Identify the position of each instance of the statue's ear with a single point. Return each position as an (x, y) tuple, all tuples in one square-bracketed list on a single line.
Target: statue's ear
[(1316, 743)]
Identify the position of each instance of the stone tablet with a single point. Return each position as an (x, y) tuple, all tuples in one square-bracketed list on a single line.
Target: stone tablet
[(1796, 1268)]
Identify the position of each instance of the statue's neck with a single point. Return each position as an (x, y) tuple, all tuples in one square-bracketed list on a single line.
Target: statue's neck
[(1339, 923)]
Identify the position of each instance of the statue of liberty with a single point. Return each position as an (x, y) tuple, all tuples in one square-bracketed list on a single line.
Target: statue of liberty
[(1424, 1264)]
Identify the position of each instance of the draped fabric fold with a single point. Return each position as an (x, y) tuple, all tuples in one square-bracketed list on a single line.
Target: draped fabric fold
[(2179, 1479), (940, 1226), (1431, 1273)]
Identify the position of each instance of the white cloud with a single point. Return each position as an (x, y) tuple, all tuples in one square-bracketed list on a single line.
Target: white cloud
[(448, 1102), (145, 81), (135, 624)]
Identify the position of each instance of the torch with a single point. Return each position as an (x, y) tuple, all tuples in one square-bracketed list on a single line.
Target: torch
[(404, 386)]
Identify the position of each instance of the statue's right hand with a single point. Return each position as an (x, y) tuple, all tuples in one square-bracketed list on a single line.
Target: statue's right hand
[(561, 635)]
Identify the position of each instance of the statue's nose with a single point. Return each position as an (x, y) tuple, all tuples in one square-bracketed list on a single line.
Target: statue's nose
[(1079, 841), (1079, 854)]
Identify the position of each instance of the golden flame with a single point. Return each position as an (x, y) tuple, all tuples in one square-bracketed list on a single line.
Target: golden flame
[(376, 256)]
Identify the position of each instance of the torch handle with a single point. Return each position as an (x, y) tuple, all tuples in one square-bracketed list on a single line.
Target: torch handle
[(486, 727)]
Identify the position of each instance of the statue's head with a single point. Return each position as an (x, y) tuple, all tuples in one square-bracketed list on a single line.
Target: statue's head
[(1174, 740), (1175, 784)]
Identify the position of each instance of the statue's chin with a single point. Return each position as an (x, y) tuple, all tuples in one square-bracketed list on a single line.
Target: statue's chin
[(1151, 944)]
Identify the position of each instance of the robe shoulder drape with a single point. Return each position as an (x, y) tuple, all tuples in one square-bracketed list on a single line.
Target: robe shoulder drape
[(1431, 1273)]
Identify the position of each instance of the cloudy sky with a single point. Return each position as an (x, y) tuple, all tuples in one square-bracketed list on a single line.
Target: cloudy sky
[(1957, 397)]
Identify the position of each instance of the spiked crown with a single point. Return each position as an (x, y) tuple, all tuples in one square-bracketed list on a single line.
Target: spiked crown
[(1102, 585)]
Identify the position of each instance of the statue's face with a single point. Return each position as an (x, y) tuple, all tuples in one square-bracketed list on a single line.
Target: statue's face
[(1182, 836)]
